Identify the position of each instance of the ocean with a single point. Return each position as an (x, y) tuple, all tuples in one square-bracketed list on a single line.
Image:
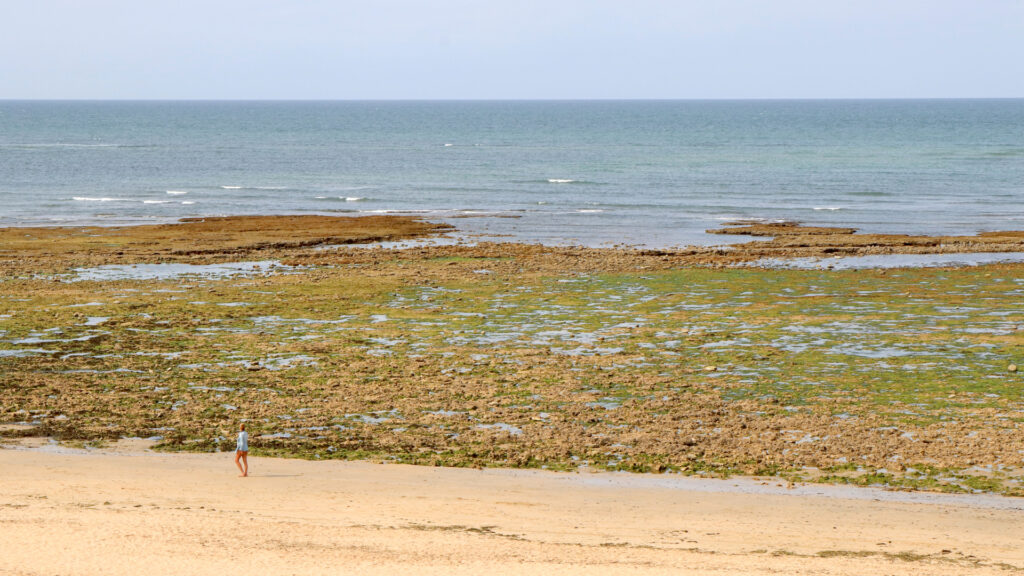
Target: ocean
[(596, 173)]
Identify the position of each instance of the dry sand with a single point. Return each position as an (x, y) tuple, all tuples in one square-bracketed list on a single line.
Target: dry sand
[(130, 511)]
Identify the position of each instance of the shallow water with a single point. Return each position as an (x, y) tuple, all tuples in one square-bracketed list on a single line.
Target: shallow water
[(25, 353), (888, 261), (446, 240), (172, 271), (774, 486), (512, 430)]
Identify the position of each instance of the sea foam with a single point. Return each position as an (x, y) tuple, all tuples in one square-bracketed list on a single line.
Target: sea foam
[(254, 187), (344, 198)]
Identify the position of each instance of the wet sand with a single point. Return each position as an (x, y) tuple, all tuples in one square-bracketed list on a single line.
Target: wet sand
[(131, 511)]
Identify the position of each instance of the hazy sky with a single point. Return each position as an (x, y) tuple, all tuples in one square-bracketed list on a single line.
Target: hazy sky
[(369, 49)]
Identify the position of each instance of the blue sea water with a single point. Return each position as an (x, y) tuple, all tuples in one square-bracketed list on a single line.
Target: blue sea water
[(655, 173)]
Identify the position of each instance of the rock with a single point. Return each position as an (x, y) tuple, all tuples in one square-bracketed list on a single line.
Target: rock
[(710, 368), (1012, 367)]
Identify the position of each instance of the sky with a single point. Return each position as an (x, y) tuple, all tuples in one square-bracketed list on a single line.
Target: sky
[(519, 49)]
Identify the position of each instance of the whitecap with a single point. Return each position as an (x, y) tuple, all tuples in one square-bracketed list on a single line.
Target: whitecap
[(186, 202), (385, 211), (156, 201), (321, 197), (448, 145), (589, 211), (560, 180), (748, 219), (353, 198), (93, 199), (828, 208), (231, 187), (176, 192)]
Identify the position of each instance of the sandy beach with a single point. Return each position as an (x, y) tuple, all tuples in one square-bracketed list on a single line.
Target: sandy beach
[(128, 511)]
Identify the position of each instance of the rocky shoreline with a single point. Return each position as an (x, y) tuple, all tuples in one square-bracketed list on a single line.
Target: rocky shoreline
[(515, 355)]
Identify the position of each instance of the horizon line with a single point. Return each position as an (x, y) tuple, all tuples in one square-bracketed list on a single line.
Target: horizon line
[(584, 99)]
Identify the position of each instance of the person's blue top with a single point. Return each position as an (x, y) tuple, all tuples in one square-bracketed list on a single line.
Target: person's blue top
[(243, 442)]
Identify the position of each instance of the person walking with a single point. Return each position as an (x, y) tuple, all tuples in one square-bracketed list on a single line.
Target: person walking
[(242, 452)]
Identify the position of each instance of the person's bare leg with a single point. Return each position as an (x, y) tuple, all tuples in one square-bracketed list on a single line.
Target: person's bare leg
[(238, 456), (245, 463)]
